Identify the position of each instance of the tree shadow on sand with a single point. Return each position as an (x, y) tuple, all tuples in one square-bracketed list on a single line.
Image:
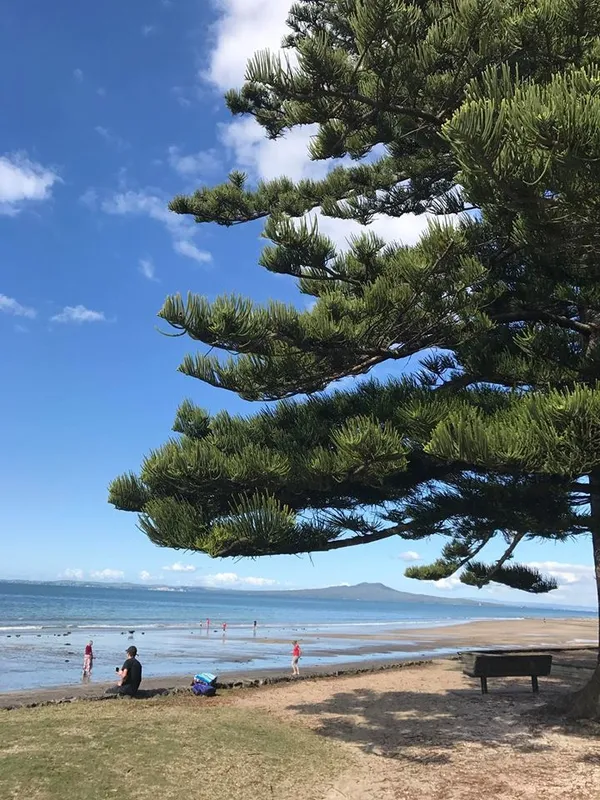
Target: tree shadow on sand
[(425, 726)]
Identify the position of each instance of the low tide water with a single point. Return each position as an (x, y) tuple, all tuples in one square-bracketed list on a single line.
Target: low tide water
[(44, 629)]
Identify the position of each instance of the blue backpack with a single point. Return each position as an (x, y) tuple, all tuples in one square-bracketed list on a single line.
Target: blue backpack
[(204, 689)]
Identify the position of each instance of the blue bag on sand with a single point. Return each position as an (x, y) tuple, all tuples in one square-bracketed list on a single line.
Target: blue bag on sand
[(206, 677), (203, 689)]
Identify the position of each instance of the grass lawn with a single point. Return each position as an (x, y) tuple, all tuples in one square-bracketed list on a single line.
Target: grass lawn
[(160, 749)]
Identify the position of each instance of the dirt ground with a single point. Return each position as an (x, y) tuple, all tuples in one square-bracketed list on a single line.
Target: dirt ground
[(427, 733)]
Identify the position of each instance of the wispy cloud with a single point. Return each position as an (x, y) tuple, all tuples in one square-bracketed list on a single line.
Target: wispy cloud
[(89, 198), (186, 248), (179, 567), (565, 574), (77, 315), (101, 91), (145, 575), (151, 205), (23, 181), (78, 75), (205, 162), (233, 580), (147, 269), (107, 575), (112, 139), (179, 94), (72, 575), (8, 305), (410, 555), (148, 30)]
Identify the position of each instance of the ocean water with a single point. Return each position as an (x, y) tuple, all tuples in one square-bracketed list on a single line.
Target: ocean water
[(44, 628)]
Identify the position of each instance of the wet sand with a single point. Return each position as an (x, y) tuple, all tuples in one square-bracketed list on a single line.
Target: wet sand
[(384, 648)]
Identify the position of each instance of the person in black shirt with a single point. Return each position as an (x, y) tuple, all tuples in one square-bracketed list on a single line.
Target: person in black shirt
[(130, 674)]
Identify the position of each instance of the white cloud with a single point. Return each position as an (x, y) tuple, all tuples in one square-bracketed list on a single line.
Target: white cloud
[(243, 28), (179, 567), (186, 248), (145, 575), (410, 555), (193, 164), (78, 314), (148, 29), (266, 159), (565, 574), (21, 181), (8, 305), (447, 584), (148, 269), (150, 205), (576, 586), (232, 580), (111, 138), (107, 575), (72, 575), (78, 75), (407, 229)]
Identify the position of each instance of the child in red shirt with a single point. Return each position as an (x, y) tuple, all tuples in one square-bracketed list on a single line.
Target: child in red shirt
[(88, 659), (296, 653)]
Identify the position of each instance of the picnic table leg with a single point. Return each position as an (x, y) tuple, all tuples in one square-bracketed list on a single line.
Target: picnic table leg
[(534, 684), (484, 686)]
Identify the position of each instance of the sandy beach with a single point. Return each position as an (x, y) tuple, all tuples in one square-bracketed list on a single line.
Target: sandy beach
[(366, 650), (426, 733)]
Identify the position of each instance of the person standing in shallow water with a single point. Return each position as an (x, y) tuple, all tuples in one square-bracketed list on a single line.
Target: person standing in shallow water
[(88, 659), (296, 654)]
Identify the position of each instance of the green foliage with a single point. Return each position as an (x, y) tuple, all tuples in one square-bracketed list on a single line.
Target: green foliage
[(444, 107)]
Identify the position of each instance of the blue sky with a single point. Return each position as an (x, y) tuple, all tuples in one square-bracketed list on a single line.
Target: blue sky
[(114, 108)]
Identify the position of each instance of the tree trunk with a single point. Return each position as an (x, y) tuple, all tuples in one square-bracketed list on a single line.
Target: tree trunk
[(585, 703)]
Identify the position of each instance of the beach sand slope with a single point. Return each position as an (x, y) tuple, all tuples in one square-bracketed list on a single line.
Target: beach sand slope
[(426, 733)]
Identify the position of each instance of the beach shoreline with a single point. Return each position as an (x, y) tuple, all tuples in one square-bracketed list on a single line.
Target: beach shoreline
[(373, 652)]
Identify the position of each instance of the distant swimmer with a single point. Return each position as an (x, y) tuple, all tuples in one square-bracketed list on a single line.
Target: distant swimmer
[(224, 628), (254, 627)]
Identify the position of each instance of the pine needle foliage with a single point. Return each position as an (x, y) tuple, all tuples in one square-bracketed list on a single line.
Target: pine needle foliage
[(484, 115)]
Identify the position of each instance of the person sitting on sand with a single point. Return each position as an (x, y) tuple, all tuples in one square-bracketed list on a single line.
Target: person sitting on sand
[(130, 674), (88, 659), (296, 654)]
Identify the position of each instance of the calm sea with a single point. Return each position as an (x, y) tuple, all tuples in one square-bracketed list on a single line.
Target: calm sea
[(50, 606), (44, 628)]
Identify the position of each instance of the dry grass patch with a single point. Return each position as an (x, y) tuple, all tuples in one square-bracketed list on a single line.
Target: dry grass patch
[(161, 748)]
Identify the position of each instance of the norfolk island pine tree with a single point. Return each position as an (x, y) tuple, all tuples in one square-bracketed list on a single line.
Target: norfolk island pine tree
[(488, 118)]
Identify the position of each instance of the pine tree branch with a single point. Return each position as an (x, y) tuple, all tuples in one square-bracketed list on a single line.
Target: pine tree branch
[(543, 316), (336, 544), (507, 554), (390, 108)]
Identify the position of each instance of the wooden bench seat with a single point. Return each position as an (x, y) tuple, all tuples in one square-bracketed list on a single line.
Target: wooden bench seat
[(506, 665)]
